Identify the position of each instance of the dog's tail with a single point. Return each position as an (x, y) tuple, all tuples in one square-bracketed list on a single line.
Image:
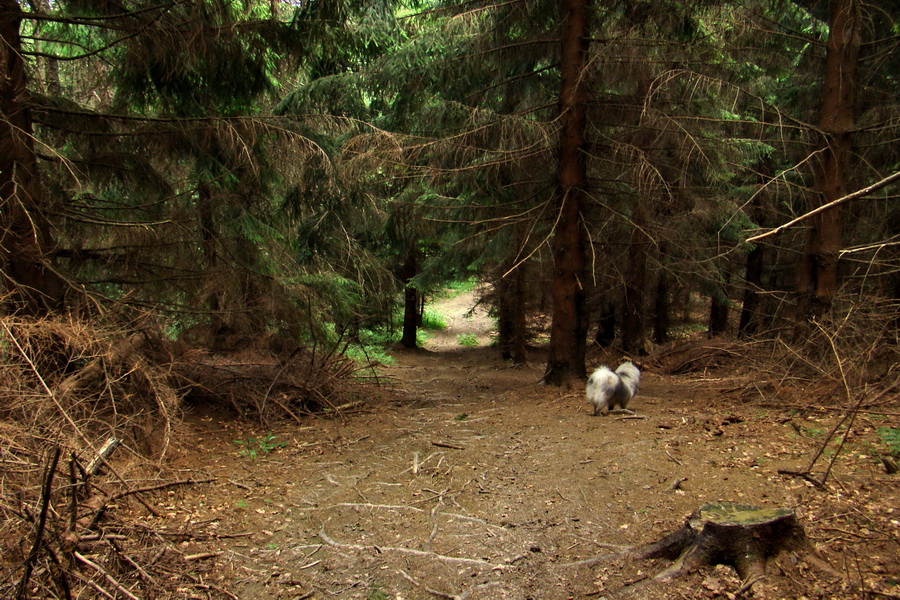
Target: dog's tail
[(627, 370), (604, 379)]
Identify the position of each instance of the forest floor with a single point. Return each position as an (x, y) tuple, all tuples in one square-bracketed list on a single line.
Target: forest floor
[(462, 476)]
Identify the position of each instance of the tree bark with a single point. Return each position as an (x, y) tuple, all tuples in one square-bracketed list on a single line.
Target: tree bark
[(818, 277), (33, 285), (728, 533), (606, 325), (744, 537), (410, 302), (719, 308), (568, 331), (208, 240), (662, 313), (511, 328), (634, 332), (749, 322), (52, 85), (718, 317)]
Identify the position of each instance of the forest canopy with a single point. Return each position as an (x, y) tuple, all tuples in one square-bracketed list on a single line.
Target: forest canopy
[(231, 170)]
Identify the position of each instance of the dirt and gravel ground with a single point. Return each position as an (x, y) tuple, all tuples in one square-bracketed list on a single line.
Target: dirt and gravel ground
[(464, 477)]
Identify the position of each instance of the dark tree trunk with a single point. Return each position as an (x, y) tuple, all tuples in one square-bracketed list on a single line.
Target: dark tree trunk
[(30, 278), (52, 84), (634, 334), (568, 331), (420, 309), (662, 306), (511, 327), (410, 302), (606, 325), (718, 315), (749, 323), (818, 277), (208, 240)]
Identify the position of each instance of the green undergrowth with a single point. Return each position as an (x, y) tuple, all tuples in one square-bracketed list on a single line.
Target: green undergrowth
[(374, 345)]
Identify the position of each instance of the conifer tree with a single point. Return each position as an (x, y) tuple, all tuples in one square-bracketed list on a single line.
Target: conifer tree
[(160, 185)]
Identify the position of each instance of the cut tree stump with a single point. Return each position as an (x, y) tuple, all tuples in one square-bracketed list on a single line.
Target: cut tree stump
[(742, 536)]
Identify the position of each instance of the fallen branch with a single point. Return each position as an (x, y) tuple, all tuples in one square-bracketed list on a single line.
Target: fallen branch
[(676, 484), (22, 591), (431, 591), (104, 453), (201, 556), (475, 562), (447, 445), (161, 486), (106, 575)]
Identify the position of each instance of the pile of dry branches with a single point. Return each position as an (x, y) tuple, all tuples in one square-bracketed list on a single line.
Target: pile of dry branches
[(71, 393), (269, 381), (87, 414)]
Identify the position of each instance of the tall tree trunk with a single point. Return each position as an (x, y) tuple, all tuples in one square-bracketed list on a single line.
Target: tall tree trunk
[(29, 276), (511, 328), (718, 316), (52, 85), (751, 306), (208, 240), (410, 302), (662, 313), (818, 277), (568, 331), (749, 322), (606, 325), (634, 333)]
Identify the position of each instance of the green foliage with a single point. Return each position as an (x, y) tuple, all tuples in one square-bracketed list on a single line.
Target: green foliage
[(461, 417), (456, 288), (372, 353), (376, 594), (890, 437), (433, 321), (251, 448), (467, 339)]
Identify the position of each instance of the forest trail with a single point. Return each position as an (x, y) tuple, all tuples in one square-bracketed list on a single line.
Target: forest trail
[(467, 478)]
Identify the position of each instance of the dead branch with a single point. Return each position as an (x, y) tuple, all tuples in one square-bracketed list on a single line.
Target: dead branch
[(853, 196), (105, 575), (46, 489), (161, 486), (476, 562), (104, 453), (850, 416), (447, 445)]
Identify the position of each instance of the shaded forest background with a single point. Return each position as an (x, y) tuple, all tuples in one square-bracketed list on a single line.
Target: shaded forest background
[(184, 182)]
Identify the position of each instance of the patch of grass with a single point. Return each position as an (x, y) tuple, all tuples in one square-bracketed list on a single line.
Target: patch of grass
[(812, 432), (369, 355), (433, 321), (455, 288), (687, 330), (461, 417), (376, 594), (467, 339), (890, 437), (253, 447)]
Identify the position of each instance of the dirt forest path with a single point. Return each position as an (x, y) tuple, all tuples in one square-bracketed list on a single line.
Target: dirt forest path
[(467, 478)]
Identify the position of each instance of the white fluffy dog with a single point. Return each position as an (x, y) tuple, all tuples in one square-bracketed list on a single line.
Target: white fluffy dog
[(606, 389)]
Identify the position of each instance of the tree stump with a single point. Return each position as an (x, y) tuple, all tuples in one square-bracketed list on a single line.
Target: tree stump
[(742, 536)]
